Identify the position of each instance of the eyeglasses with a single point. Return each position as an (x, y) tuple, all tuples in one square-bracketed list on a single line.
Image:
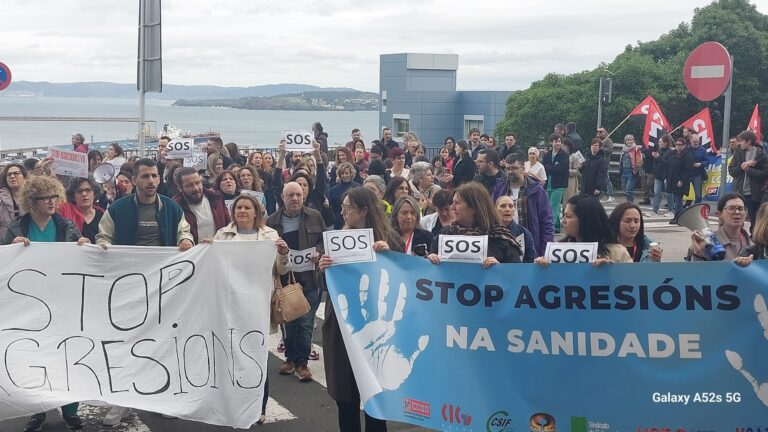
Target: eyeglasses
[(514, 167), (84, 191), (733, 209), (347, 208), (52, 198), (13, 174)]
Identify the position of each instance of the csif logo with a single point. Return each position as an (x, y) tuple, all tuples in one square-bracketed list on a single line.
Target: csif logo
[(452, 414), (542, 422), (499, 422)]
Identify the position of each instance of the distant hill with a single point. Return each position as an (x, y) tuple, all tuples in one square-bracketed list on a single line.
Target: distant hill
[(170, 91), (306, 101)]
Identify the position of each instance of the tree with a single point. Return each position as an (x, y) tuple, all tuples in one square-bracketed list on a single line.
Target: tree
[(654, 68)]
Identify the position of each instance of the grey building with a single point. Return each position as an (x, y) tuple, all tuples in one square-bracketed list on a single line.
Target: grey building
[(418, 95)]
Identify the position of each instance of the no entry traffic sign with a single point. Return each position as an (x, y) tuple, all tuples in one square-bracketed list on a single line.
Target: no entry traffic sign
[(707, 71), (5, 76)]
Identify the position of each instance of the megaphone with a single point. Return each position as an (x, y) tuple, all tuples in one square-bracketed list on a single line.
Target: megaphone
[(696, 217), (104, 173)]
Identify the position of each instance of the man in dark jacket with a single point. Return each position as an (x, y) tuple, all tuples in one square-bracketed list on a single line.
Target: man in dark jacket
[(572, 138), (749, 169), (648, 173), (302, 228), (699, 172), (387, 141), (510, 147), (660, 166), (594, 170), (204, 209), (488, 172), (533, 210), (678, 176), (556, 164)]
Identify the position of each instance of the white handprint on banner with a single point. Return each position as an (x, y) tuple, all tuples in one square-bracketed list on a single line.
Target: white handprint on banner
[(388, 363), (761, 390)]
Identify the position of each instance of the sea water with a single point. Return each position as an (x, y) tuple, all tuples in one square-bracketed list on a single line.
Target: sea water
[(248, 128)]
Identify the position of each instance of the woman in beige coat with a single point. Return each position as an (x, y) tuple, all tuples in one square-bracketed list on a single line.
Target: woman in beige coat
[(248, 223)]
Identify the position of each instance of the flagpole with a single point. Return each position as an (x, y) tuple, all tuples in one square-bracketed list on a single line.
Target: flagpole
[(622, 122), (675, 130)]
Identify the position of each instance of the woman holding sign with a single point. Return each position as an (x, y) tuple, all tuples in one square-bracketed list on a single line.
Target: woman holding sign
[(585, 221), (39, 197), (626, 221), (360, 209), (475, 216), (248, 223)]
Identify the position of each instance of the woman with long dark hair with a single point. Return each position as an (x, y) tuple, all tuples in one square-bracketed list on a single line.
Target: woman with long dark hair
[(626, 220), (464, 168), (272, 177), (360, 209), (474, 214), (584, 220)]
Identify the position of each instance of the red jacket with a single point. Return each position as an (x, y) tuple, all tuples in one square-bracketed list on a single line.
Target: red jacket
[(71, 212), (220, 214)]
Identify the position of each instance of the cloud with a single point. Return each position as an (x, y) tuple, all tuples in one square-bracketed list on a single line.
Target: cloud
[(501, 44)]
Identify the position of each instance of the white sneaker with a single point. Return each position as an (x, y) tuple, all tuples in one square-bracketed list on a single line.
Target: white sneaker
[(650, 214), (610, 199), (116, 415)]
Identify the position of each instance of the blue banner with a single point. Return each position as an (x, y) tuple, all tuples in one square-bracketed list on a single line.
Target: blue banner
[(677, 347)]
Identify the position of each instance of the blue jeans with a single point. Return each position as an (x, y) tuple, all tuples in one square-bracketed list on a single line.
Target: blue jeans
[(608, 184), (698, 182), (628, 184), (298, 333), (675, 203), (658, 191)]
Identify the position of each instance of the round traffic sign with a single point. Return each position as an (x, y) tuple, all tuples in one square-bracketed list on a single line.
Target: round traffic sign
[(5, 76), (707, 71)]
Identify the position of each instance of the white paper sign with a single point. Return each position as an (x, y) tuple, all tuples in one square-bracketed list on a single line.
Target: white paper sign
[(462, 248), (137, 327), (579, 157), (181, 148), (521, 239), (69, 163), (349, 246), (196, 161), (567, 252), (229, 203), (301, 260), (298, 140)]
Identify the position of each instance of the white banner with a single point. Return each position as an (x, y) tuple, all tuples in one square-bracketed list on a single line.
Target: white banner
[(570, 252), (181, 148), (69, 163), (151, 328)]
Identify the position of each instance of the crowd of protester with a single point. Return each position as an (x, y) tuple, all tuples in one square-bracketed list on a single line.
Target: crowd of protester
[(519, 197)]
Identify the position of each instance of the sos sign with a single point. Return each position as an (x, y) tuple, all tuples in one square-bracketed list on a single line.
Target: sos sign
[(298, 140), (571, 252), (181, 148), (349, 246), (461, 248), (301, 260)]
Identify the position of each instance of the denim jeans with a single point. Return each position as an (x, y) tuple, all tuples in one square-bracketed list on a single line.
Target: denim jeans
[(298, 333), (628, 184), (698, 182), (658, 191), (676, 203), (608, 184)]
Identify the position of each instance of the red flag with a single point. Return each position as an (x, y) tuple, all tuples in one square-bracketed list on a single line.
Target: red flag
[(701, 123), (642, 109), (656, 126), (754, 123)]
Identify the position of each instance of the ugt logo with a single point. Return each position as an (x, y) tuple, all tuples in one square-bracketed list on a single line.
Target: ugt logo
[(452, 414)]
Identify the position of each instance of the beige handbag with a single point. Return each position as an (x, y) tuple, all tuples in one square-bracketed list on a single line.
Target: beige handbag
[(288, 302)]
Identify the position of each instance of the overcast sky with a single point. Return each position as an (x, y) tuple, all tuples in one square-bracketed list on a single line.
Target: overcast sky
[(502, 44)]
